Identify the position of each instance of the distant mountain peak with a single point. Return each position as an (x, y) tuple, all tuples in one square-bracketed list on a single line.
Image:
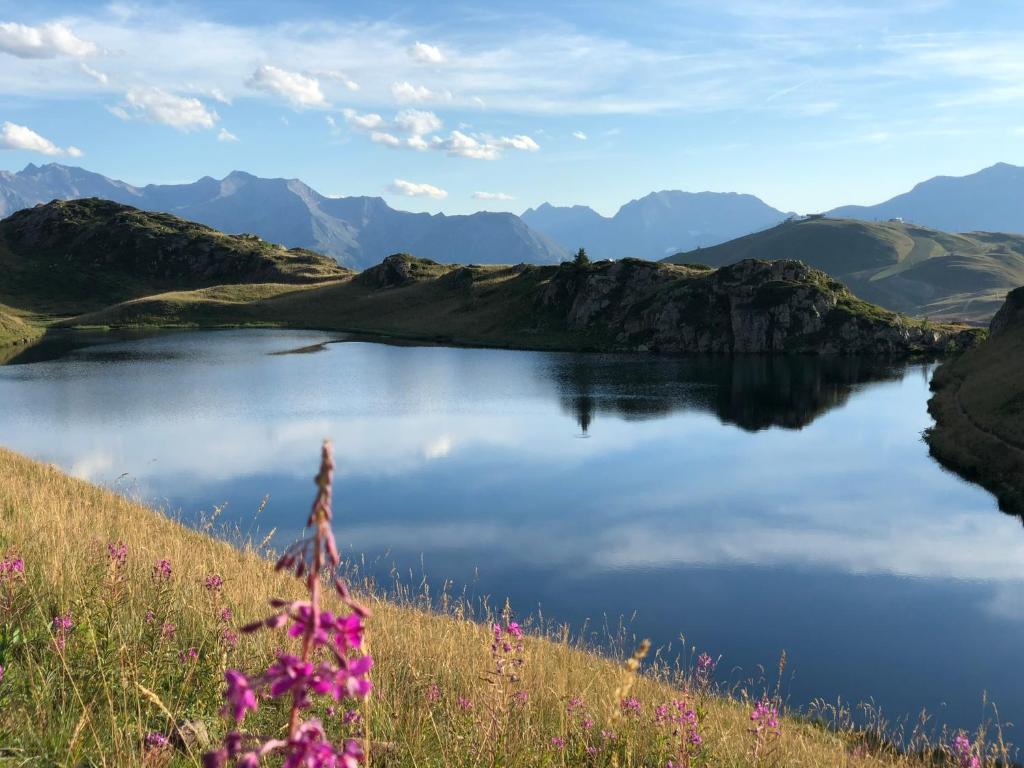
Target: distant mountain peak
[(357, 231)]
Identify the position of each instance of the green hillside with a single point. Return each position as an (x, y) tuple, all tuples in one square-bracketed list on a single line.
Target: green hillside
[(66, 257), (906, 268)]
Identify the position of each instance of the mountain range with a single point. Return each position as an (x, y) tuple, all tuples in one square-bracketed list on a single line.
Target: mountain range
[(991, 200), (656, 225), (357, 231)]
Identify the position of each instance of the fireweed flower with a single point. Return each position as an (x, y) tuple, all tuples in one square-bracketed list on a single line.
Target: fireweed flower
[(331, 663), (156, 740), (118, 554), (213, 583), (162, 570), (963, 752), (62, 625)]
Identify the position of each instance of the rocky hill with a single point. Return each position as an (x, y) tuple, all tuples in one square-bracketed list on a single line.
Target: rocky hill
[(68, 255), (978, 408), (903, 267), (630, 305)]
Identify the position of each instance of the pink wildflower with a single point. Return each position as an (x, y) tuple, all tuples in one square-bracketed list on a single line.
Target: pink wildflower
[(557, 742), (239, 696), (465, 704), (62, 624), (963, 752), (162, 570), (118, 554), (213, 583), (434, 693), (156, 741), (167, 631), (631, 706)]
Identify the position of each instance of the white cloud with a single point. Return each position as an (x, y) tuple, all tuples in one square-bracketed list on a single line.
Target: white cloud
[(405, 92), (459, 144), (14, 136), (417, 122), (340, 77), (95, 74), (301, 90), (492, 196), (226, 135), (412, 189), (182, 112), (1019, 131), (47, 41), (481, 147), (524, 143), (387, 139), (426, 54), (579, 135), (418, 143), (365, 122)]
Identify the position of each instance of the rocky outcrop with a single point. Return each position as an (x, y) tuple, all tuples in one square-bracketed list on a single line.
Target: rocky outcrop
[(749, 307)]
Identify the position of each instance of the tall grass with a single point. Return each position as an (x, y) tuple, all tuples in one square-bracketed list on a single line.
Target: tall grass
[(147, 622)]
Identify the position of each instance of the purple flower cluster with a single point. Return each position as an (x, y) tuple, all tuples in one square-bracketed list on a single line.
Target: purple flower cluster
[(62, 625), (213, 583), (631, 706), (341, 673), (162, 570), (156, 741), (685, 721), (12, 568), (765, 717), (118, 554), (964, 752)]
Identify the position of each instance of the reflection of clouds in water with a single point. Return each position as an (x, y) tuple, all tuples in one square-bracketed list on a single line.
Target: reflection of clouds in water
[(958, 548), (439, 448)]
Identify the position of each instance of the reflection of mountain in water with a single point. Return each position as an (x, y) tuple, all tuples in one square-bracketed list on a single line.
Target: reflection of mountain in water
[(751, 392)]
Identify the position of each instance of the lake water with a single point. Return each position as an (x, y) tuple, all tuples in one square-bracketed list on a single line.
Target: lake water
[(754, 505)]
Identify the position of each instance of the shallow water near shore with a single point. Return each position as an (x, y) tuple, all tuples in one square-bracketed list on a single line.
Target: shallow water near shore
[(754, 505)]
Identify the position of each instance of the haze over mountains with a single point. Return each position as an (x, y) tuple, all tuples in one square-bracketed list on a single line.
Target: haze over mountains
[(991, 200), (357, 231), (360, 231), (657, 225)]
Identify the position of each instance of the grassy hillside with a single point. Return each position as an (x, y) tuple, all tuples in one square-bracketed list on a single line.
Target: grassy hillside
[(141, 649), (14, 330), (625, 305), (978, 407), (67, 257), (911, 269)]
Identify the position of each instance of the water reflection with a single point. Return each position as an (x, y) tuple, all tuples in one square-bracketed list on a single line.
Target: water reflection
[(754, 505), (754, 393)]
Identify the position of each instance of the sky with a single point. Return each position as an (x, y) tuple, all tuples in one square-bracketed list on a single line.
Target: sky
[(463, 106)]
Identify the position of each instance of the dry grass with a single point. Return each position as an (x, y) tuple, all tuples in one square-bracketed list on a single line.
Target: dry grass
[(117, 680)]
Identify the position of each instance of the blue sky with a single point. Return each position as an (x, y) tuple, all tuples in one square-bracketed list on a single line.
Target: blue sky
[(463, 106)]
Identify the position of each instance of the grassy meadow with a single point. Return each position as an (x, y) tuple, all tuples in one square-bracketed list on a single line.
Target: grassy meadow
[(117, 625)]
